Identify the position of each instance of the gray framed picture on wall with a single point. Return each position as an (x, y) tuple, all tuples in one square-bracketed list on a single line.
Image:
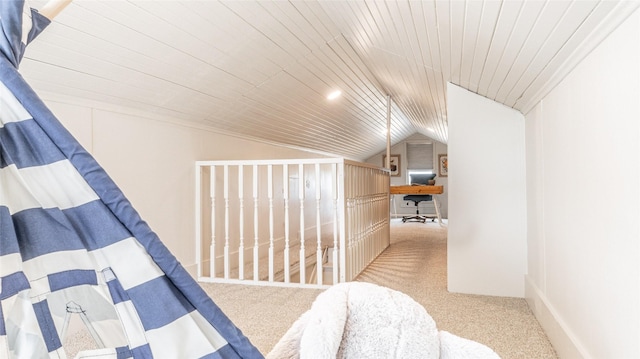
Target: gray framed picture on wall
[(394, 164), (443, 165)]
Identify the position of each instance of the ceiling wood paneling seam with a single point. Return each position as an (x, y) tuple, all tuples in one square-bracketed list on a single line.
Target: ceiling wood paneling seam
[(262, 69)]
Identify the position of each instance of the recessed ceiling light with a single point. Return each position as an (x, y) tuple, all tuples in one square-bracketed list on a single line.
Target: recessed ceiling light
[(334, 95)]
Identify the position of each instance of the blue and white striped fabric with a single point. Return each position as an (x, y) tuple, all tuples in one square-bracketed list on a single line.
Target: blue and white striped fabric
[(71, 244)]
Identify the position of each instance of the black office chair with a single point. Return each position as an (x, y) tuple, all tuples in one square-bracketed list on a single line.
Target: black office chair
[(419, 179)]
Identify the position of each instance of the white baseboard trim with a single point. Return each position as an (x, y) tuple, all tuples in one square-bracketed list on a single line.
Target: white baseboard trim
[(564, 341)]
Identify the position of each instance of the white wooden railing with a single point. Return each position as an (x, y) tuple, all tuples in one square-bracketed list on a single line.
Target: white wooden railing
[(305, 222)]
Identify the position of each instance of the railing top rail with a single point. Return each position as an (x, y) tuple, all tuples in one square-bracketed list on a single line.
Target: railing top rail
[(364, 164), (271, 162), (289, 162)]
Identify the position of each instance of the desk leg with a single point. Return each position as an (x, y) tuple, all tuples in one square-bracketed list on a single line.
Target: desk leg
[(435, 203)]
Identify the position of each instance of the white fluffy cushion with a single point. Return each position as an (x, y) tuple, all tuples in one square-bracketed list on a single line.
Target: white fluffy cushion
[(361, 320), (358, 320)]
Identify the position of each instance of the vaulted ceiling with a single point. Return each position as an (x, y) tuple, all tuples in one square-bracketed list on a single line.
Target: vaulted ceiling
[(263, 69)]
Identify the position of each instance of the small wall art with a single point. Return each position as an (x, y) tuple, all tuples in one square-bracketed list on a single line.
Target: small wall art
[(394, 164), (443, 165)]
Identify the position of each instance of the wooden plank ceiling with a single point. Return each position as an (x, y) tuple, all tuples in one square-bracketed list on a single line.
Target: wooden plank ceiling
[(262, 69)]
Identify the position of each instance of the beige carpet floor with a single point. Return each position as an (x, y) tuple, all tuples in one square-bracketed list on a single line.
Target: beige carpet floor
[(416, 264)]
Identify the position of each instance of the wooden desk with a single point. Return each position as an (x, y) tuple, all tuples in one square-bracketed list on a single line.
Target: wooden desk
[(419, 189), (410, 189)]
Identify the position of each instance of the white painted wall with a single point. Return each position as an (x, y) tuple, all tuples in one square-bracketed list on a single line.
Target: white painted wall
[(441, 149), (487, 196), (583, 165), (152, 161)]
